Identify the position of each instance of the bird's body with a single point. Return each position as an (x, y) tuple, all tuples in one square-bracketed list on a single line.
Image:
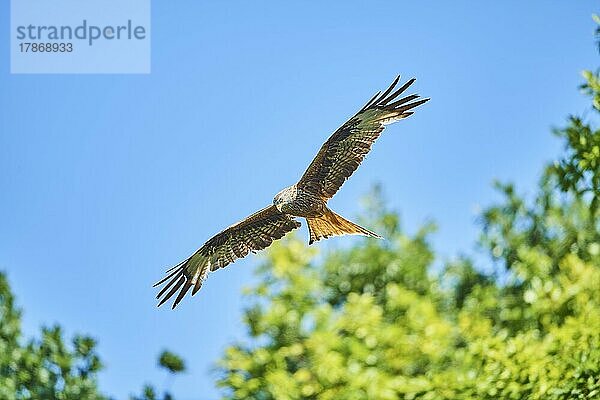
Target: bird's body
[(335, 162), (299, 202)]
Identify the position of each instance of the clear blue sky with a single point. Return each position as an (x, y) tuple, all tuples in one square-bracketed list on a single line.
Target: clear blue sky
[(105, 180)]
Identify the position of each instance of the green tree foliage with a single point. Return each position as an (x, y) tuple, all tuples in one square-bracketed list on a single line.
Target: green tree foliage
[(50, 367), (376, 321), (44, 368)]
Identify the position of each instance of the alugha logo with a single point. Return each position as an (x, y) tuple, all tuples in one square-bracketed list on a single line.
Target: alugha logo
[(84, 31)]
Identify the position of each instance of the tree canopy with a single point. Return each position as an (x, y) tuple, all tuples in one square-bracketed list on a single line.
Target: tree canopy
[(52, 367)]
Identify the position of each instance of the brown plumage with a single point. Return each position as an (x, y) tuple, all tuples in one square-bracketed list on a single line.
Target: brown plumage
[(335, 162)]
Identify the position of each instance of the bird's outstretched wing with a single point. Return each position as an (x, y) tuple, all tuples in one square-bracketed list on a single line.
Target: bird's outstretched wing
[(254, 233), (343, 152)]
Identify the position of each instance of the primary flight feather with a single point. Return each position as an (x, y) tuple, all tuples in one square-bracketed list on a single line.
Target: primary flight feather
[(335, 162)]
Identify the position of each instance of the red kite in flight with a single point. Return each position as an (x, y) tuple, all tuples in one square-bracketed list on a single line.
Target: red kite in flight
[(337, 159)]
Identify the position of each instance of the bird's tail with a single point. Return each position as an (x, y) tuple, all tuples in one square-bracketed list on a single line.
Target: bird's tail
[(331, 224)]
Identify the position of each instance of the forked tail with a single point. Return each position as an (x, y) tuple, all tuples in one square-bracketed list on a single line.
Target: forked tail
[(331, 224)]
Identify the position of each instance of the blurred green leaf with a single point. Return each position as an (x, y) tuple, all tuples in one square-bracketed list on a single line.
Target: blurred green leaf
[(171, 362)]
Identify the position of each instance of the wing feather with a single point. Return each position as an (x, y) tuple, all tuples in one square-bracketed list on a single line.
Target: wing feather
[(252, 234), (345, 150)]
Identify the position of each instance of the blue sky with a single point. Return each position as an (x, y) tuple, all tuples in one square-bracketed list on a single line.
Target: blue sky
[(105, 180)]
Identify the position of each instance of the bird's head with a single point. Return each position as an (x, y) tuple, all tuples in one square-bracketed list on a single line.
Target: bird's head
[(283, 197), (278, 201)]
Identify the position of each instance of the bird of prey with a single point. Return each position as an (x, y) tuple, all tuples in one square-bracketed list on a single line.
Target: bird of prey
[(337, 159)]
